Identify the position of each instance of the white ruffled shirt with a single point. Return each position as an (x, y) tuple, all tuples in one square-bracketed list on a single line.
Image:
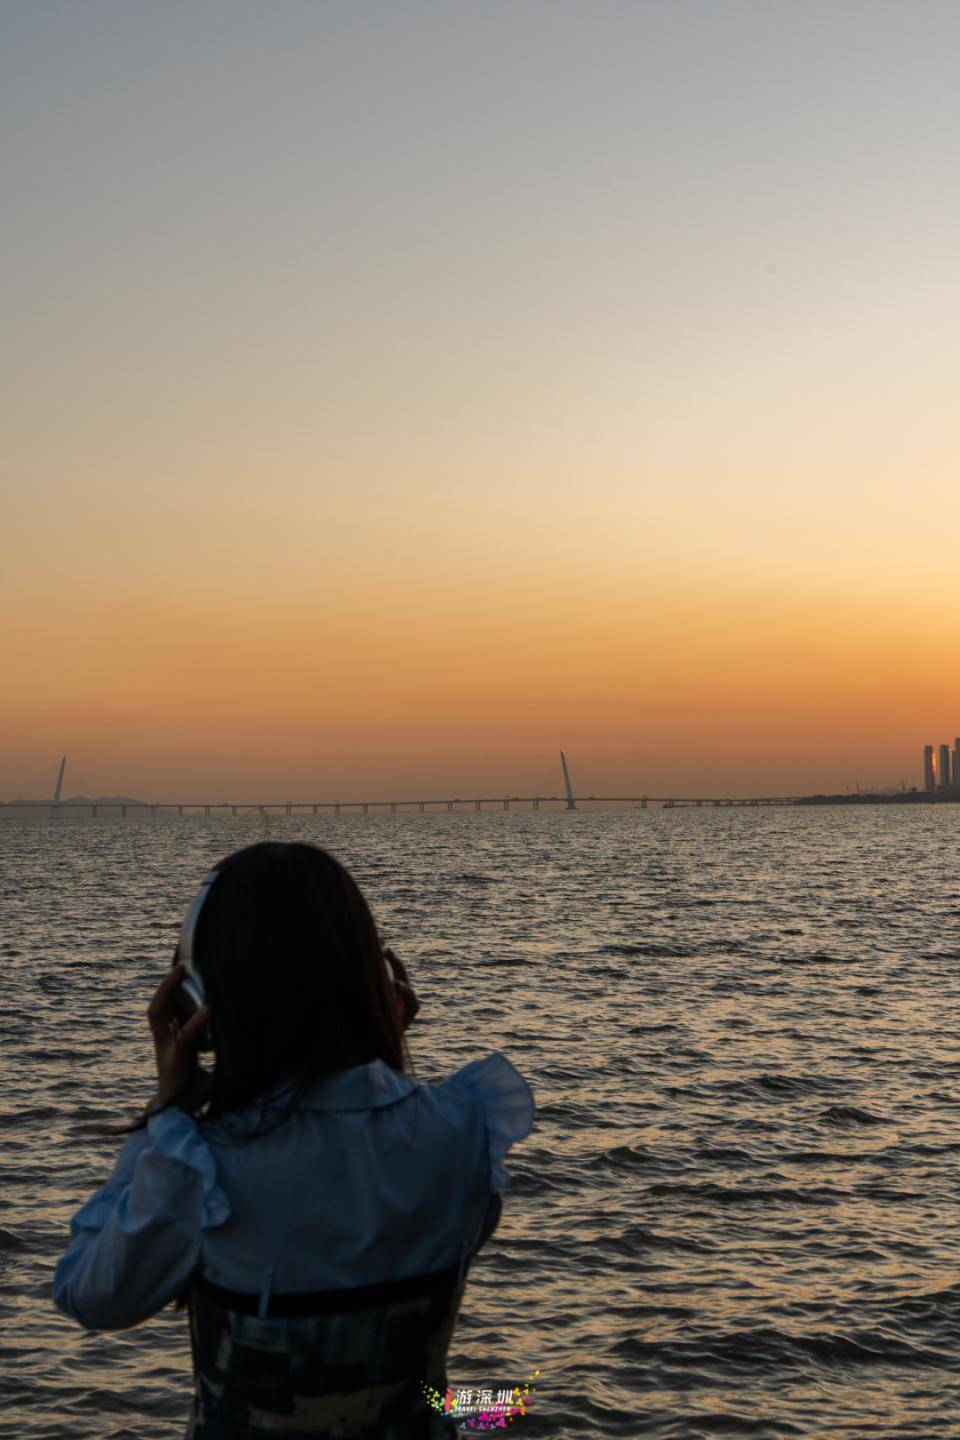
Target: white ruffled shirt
[(374, 1177)]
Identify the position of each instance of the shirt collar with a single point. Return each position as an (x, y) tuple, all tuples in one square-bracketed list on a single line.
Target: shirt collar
[(361, 1087)]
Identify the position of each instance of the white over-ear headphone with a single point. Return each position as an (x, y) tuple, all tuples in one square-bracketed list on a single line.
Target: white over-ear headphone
[(192, 983)]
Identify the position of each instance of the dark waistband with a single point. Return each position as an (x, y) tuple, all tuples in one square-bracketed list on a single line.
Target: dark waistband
[(331, 1302)]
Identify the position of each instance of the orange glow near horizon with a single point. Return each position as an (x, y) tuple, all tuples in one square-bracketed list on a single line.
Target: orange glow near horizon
[(455, 689)]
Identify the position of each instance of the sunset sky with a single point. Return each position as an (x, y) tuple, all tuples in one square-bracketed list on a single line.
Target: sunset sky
[(397, 392)]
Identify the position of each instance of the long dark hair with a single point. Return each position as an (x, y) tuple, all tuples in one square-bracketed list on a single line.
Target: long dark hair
[(294, 973)]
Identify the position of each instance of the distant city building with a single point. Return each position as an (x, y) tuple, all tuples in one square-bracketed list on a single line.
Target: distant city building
[(943, 768), (955, 772), (929, 780)]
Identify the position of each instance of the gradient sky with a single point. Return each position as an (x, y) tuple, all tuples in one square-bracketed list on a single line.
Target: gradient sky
[(396, 392)]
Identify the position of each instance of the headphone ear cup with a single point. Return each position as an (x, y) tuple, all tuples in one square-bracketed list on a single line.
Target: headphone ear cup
[(193, 986), (188, 998)]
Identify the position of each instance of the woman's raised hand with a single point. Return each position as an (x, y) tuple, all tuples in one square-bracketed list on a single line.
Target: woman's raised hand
[(406, 998), (179, 1076)]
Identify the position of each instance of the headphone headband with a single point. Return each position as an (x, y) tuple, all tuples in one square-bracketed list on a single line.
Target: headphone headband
[(188, 929)]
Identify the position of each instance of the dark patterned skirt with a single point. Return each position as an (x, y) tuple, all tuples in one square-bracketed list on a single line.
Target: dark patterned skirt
[(344, 1365)]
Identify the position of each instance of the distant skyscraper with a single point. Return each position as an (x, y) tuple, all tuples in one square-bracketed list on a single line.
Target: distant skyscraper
[(929, 783), (943, 768), (955, 771)]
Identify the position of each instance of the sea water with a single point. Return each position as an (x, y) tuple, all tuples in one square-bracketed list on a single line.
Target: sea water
[(737, 1212)]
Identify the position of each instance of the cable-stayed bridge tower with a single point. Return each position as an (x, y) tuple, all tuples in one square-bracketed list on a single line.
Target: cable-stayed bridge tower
[(59, 790), (571, 803)]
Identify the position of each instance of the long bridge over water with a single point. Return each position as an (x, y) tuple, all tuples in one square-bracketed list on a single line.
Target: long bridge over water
[(123, 806), (103, 808)]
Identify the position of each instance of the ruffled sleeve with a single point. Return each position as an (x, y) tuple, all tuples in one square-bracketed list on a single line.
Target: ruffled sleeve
[(136, 1242), (507, 1104), (176, 1137)]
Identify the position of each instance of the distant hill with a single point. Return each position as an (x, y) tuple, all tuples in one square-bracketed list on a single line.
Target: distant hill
[(102, 800), (22, 801)]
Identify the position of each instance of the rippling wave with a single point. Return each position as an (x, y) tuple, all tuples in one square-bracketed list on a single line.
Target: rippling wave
[(736, 1214)]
